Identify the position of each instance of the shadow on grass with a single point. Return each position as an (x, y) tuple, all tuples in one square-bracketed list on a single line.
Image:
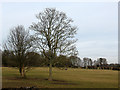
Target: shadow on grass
[(61, 82), (54, 81)]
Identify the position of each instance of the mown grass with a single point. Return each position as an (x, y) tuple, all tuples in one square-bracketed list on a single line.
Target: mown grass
[(71, 78)]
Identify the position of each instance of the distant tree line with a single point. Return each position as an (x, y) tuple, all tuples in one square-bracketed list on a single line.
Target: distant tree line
[(34, 60), (38, 60), (88, 63)]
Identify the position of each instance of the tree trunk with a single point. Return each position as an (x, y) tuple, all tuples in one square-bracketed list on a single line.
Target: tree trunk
[(50, 71), (22, 71)]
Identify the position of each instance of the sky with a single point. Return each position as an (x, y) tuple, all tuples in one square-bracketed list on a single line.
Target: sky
[(97, 24)]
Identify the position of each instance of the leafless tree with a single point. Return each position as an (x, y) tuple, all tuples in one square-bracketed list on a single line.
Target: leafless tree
[(85, 61), (102, 61), (54, 34), (89, 62), (20, 43)]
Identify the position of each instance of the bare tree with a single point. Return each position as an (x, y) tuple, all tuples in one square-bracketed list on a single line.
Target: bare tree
[(85, 61), (20, 43), (95, 63), (102, 61), (54, 34), (89, 62)]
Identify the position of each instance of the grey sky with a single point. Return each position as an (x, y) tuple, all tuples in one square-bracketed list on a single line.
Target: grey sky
[(97, 24)]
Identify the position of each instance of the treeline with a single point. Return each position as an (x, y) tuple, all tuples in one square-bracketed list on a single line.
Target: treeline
[(106, 66), (100, 63), (39, 60), (34, 60)]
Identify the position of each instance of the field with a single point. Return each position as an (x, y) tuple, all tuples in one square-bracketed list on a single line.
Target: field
[(71, 78)]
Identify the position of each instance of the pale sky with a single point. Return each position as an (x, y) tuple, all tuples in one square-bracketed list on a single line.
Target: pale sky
[(97, 24)]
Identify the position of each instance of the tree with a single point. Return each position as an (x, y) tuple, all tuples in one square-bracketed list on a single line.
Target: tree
[(5, 55), (89, 62), (54, 34), (62, 61), (76, 61), (102, 61), (85, 61), (35, 59), (19, 42), (8, 58)]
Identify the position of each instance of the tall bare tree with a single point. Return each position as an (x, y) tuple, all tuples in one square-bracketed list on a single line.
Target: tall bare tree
[(20, 43), (85, 61), (89, 62), (101, 61), (54, 34)]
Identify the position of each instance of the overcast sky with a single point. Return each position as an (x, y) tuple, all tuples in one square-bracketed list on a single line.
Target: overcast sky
[(97, 24)]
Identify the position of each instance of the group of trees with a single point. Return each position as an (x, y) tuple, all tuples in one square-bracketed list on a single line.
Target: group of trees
[(35, 60), (98, 62), (76, 61), (52, 36), (9, 59), (62, 61), (88, 63)]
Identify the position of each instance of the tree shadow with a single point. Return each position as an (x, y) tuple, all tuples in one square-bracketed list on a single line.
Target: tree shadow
[(61, 82)]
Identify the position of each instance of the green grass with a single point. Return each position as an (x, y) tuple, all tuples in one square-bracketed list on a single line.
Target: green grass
[(71, 78)]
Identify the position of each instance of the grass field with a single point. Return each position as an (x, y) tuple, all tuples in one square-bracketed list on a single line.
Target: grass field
[(71, 78)]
